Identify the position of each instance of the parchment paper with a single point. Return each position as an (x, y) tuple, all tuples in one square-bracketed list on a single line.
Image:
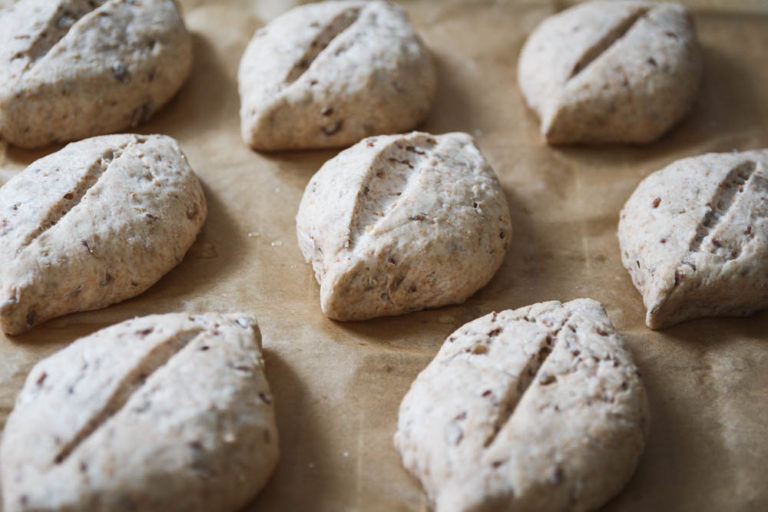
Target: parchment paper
[(337, 386)]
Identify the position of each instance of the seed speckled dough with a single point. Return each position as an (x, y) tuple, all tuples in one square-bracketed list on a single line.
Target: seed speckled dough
[(71, 69), (157, 414), (619, 71), (694, 237), (94, 224), (331, 73), (400, 223), (533, 410)]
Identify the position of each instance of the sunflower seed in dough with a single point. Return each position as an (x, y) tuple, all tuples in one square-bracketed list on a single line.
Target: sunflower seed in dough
[(400, 223), (619, 71), (694, 237), (161, 413), (71, 69), (331, 73), (94, 224), (537, 409)]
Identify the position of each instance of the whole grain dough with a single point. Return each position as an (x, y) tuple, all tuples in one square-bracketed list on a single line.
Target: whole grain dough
[(161, 413), (331, 73), (71, 69), (618, 71), (537, 409), (400, 223), (94, 224), (694, 237)]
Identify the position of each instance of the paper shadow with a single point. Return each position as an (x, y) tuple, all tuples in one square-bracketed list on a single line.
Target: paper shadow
[(208, 98), (705, 358), (522, 259), (655, 485), (56, 333), (724, 110), (451, 109), (297, 167), (301, 445), (24, 157), (414, 332)]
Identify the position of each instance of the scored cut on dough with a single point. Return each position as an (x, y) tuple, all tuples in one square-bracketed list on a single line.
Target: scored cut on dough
[(535, 409)]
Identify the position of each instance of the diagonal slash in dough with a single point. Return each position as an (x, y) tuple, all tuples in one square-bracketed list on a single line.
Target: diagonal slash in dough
[(609, 39), (67, 15), (731, 188), (150, 363), (339, 24), (390, 175), (70, 200), (515, 392)]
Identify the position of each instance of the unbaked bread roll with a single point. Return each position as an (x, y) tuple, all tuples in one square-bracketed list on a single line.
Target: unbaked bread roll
[(331, 73), (537, 409), (157, 414), (94, 224), (618, 71), (694, 237), (71, 69), (400, 223)]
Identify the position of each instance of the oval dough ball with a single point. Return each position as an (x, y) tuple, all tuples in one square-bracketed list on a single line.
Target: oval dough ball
[(331, 73), (618, 71), (94, 224), (537, 409), (158, 414), (694, 237), (71, 69), (401, 223)]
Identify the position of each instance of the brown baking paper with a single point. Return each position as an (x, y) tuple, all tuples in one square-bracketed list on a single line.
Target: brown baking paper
[(337, 386)]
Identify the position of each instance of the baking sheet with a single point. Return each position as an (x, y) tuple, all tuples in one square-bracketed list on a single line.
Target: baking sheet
[(337, 386)]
